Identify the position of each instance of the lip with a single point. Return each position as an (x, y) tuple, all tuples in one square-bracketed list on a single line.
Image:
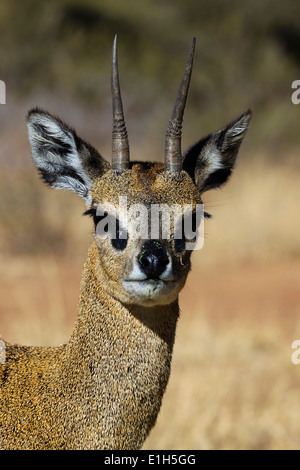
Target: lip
[(151, 291)]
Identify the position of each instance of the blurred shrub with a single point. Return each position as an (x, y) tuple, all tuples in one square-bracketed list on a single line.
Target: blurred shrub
[(247, 55), (35, 221), (58, 53)]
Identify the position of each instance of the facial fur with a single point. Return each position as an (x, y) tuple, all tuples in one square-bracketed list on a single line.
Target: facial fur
[(119, 270), (136, 272)]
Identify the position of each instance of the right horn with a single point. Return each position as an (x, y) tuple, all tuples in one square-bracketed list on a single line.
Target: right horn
[(120, 144), (173, 157)]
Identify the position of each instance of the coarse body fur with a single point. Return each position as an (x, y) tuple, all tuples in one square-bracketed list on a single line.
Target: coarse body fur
[(103, 389)]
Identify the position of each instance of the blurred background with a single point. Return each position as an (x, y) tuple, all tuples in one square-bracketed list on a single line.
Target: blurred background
[(233, 383)]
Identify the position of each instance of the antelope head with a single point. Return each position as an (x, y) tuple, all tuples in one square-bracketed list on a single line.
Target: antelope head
[(135, 262)]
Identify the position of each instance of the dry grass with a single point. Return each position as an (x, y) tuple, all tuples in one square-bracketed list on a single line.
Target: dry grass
[(233, 385)]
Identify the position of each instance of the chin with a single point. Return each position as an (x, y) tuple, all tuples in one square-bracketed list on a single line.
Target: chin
[(150, 293)]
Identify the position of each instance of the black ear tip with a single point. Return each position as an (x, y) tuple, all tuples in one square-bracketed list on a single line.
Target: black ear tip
[(248, 112), (247, 115), (36, 112), (30, 114), (237, 127)]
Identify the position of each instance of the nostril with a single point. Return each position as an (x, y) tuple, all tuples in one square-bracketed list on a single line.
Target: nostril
[(146, 259), (163, 260), (153, 259)]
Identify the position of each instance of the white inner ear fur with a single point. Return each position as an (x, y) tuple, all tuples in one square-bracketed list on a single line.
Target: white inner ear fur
[(213, 160), (47, 155)]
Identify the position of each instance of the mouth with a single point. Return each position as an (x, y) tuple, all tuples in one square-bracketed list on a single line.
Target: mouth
[(148, 283), (150, 291)]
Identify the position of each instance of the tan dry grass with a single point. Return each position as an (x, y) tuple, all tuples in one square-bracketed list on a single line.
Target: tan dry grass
[(233, 384), (256, 216), (39, 298)]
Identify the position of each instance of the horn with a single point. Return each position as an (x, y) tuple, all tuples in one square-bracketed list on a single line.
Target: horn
[(120, 144), (173, 157)]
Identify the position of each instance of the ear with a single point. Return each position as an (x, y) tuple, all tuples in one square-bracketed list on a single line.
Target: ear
[(63, 159), (210, 161)]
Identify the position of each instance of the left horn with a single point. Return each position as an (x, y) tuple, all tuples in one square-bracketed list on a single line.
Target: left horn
[(120, 143), (173, 157)]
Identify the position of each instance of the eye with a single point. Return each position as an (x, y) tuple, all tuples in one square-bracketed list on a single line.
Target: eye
[(179, 244), (120, 238), (191, 225), (93, 214), (107, 225), (186, 230), (179, 238)]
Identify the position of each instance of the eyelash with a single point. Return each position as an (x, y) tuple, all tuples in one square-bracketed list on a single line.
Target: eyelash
[(117, 242)]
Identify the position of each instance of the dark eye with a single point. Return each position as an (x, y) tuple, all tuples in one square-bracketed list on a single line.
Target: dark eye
[(107, 225), (179, 239), (120, 238), (93, 213), (191, 227), (186, 232), (179, 244)]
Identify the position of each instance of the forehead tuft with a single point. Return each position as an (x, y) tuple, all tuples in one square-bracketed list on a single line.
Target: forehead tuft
[(145, 182)]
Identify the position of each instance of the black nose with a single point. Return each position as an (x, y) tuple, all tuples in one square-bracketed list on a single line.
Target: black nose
[(153, 259)]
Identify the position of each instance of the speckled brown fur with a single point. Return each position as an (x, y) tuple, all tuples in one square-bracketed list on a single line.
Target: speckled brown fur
[(103, 389)]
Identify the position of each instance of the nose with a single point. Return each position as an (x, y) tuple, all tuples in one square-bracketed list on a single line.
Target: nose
[(153, 259)]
